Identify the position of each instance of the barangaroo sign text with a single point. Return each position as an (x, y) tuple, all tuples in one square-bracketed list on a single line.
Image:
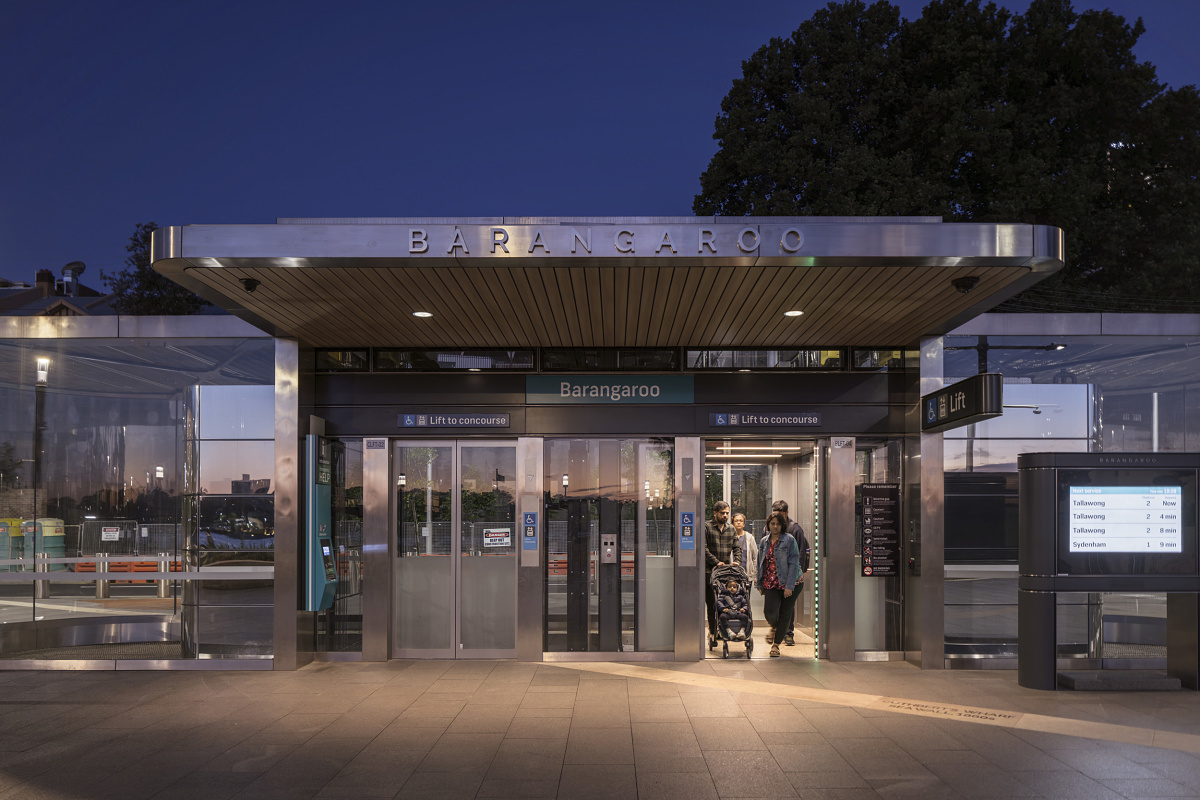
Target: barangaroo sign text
[(565, 241), (606, 390)]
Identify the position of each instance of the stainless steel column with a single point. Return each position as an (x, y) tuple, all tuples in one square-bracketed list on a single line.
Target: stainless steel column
[(531, 572), (102, 585), (289, 620), (924, 514), (41, 588), (164, 566), (837, 571), (378, 519), (689, 564)]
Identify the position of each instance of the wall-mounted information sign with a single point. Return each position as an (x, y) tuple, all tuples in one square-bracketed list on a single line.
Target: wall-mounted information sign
[(529, 526), (764, 419), (879, 513), (1126, 519), (687, 531), (971, 400), (497, 537), (440, 420)]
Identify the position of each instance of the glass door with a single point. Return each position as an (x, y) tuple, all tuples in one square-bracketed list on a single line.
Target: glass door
[(487, 548), (455, 577), (610, 579)]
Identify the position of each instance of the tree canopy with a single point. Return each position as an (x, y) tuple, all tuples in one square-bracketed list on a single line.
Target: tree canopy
[(138, 289), (975, 113)]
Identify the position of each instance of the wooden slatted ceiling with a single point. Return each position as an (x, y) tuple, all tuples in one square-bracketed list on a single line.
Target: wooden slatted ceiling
[(559, 306)]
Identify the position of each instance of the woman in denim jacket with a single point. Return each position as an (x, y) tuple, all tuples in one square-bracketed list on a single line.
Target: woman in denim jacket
[(778, 572)]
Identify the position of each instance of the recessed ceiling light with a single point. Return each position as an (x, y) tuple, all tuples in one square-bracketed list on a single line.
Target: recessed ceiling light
[(422, 314), (743, 370), (472, 369), (792, 313)]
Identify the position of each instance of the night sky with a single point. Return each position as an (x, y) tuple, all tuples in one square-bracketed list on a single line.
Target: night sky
[(119, 112)]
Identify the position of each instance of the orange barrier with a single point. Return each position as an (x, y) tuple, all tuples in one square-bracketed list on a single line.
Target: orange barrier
[(559, 566)]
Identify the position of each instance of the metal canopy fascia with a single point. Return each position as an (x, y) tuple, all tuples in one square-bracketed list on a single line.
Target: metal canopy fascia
[(607, 282)]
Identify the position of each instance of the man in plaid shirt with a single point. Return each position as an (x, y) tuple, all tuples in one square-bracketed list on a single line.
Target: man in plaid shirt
[(720, 541)]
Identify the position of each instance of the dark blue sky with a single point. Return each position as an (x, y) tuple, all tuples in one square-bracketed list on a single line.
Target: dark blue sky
[(113, 113)]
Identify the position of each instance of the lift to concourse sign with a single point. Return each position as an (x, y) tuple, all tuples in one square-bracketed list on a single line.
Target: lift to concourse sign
[(972, 400)]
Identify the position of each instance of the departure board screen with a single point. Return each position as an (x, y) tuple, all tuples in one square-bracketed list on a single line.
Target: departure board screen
[(1127, 521)]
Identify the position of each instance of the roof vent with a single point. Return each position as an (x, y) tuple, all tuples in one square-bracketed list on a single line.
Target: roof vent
[(71, 273)]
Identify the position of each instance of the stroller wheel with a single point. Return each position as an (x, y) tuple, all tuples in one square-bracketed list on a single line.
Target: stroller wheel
[(725, 650), (749, 647)]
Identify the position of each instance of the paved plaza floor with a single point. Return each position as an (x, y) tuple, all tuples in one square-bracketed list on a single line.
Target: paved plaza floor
[(715, 729)]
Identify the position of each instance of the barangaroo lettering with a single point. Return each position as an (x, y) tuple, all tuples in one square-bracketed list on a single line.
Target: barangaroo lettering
[(613, 393), (608, 390), (609, 240)]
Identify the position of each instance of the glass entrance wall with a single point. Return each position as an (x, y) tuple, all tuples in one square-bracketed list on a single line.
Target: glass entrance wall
[(609, 545), (347, 509)]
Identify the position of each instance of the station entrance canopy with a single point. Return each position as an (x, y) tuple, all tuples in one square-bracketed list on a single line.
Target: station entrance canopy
[(608, 281)]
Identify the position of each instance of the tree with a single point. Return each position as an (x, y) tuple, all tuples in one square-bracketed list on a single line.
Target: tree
[(976, 114), (10, 467), (138, 289)]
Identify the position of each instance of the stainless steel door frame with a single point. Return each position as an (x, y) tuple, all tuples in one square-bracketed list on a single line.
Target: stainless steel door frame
[(531, 633), (837, 581), (689, 563), (379, 521)]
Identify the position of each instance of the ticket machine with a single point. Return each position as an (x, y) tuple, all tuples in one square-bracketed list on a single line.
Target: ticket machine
[(320, 565)]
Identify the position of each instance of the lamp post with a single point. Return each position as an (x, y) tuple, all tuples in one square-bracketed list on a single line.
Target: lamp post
[(40, 588), (39, 425), (983, 347)]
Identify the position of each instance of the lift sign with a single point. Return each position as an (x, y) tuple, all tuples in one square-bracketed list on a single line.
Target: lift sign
[(687, 530), (529, 524)]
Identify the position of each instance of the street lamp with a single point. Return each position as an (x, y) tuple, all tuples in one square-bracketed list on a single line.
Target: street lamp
[(983, 347), (40, 588)]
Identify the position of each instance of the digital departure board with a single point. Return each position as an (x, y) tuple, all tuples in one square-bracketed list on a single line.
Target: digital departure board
[(1126, 519)]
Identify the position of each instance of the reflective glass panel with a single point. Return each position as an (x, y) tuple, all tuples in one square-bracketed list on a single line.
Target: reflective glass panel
[(237, 467), (488, 548), (878, 360), (582, 359), (424, 579), (609, 545), (343, 360), (766, 359), (237, 412), (436, 360), (236, 523)]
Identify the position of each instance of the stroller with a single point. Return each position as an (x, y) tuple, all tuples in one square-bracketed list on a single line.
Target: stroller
[(734, 630)]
